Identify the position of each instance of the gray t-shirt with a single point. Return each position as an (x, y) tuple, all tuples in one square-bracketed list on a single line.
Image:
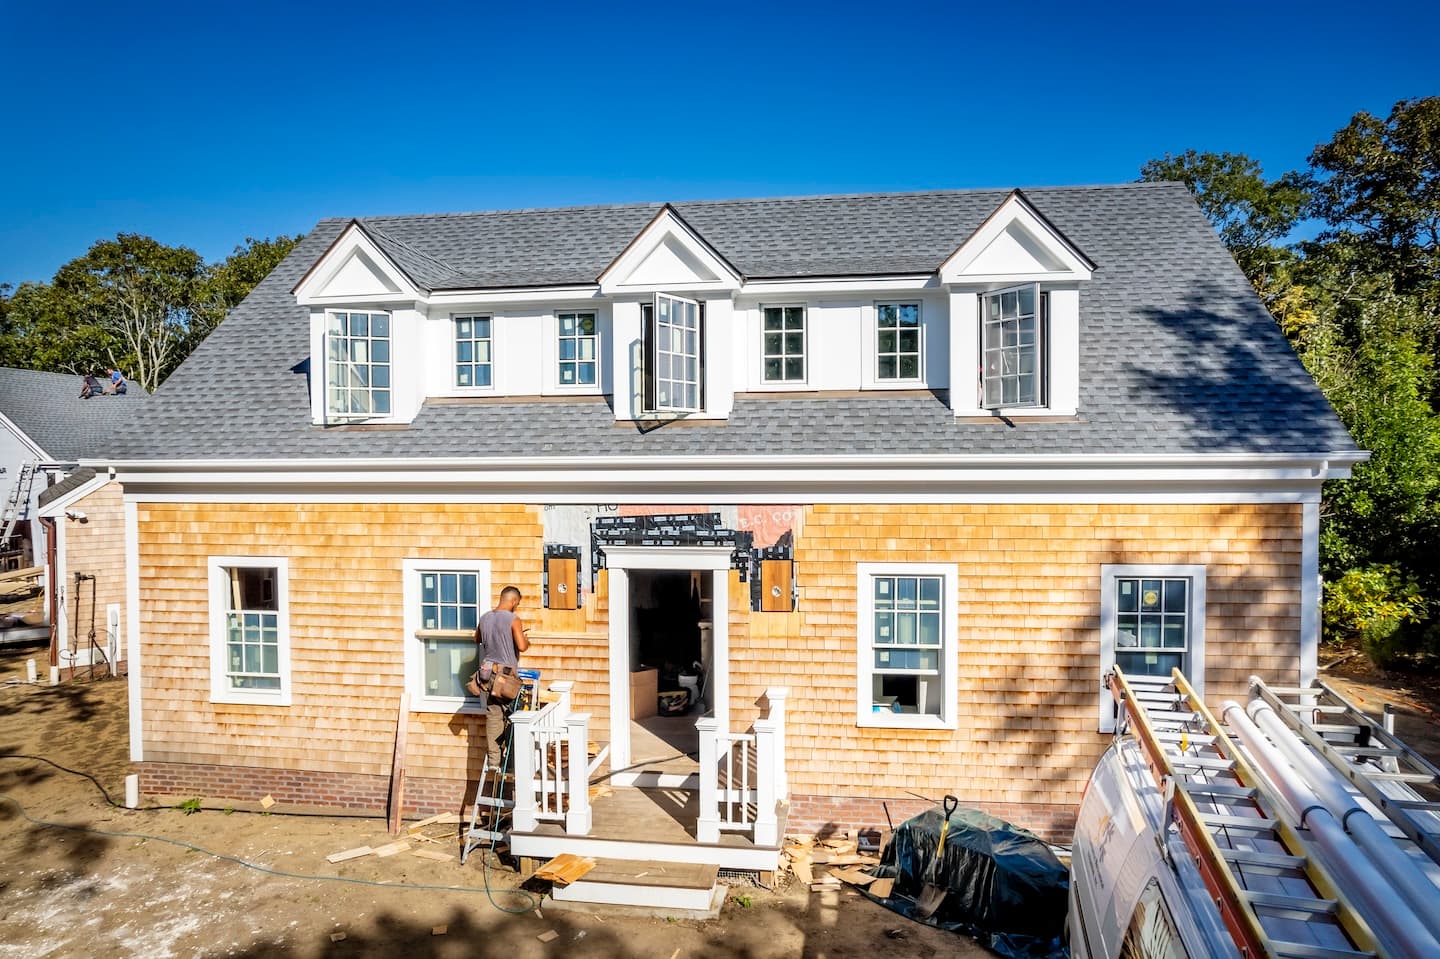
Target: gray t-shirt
[(496, 642)]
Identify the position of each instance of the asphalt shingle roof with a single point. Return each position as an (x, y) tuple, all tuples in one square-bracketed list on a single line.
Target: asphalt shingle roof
[(48, 408), (1177, 354)]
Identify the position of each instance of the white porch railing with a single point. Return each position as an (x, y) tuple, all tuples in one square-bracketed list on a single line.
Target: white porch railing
[(742, 775), (548, 746)]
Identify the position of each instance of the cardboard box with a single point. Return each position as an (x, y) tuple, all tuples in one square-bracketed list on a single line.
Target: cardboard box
[(644, 692)]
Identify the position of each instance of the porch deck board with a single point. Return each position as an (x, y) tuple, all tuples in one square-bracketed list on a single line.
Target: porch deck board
[(646, 815)]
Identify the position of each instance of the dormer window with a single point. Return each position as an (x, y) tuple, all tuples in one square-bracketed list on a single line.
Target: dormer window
[(578, 349), (674, 367), (473, 362), (357, 365), (1012, 331)]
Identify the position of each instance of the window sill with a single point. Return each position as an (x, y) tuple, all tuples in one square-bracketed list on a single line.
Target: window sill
[(874, 720), (251, 697), (1034, 413), (447, 704)]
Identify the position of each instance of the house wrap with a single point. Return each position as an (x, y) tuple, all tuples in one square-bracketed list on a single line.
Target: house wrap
[(914, 468)]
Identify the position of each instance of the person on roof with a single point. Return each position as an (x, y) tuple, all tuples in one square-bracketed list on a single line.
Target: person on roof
[(89, 386), (117, 381)]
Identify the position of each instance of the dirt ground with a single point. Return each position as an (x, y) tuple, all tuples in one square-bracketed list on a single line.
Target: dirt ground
[(79, 877)]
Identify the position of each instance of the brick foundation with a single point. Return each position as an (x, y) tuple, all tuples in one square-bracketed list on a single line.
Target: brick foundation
[(423, 797), (821, 815)]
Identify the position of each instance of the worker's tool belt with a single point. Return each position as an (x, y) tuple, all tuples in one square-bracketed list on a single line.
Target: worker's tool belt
[(498, 681)]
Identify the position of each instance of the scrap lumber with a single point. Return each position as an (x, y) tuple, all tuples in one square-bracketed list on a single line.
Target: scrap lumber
[(432, 855), (391, 848), (801, 869), (882, 887), (397, 765), (267, 801), (444, 818), (548, 936), (355, 853), (565, 868), (853, 876), (853, 859), (29, 572), (439, 930), (337, 937)]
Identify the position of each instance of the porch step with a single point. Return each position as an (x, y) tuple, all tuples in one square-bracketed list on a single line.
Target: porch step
[(690, 890)]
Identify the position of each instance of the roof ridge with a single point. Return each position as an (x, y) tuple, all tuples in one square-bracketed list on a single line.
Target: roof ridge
[(791, 197)]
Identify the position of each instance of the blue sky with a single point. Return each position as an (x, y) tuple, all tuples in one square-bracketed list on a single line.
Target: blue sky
[(203, 124)]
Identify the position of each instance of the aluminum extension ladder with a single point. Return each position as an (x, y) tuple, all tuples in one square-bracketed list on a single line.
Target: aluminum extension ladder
[(1275, 898), (18, 501), (1368, 754)]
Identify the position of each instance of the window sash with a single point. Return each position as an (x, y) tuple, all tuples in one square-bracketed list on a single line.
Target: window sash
[(357, 364), (674, 359), (898, 342), (1012, 347), (784, 344), (907, 641), (577, 348), (1152, 624), (450, 599), (474, 351), (249, 648)]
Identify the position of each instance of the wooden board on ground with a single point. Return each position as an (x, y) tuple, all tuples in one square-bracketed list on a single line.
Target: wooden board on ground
[(355, 853), (432, 854), (802, 871), (565, 868), (391, 848), (853, 876), (882, 887), (549, 936), (445, 818), (397, 765), (853, 859)]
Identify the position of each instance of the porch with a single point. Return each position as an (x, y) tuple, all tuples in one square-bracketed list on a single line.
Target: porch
[(724, 808)]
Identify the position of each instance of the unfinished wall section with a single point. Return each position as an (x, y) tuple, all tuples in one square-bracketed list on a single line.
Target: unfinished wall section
[(93, 547)]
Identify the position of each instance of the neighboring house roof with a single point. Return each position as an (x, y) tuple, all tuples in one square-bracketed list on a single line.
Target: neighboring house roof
[(48, 409), (74, 481), (1177, 354)]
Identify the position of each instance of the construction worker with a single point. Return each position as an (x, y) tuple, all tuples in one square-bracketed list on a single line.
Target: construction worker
[(500, 639)]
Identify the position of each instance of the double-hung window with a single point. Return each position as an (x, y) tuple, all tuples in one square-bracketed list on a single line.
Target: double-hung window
[(443, 603), (577, 348), (906, 644), (897, 342), (1152, 620), (473, 353), (1012, 347), (674, 355), (249, 630), (783, 343), (357, 364)]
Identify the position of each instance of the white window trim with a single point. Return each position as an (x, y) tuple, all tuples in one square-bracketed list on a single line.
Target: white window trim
[(872, 378), (220, 691), (334, 416), (1196, 640), (552, 375), (778, 385), (420, 701), (1042, 352), (454, 355), (865, 716)]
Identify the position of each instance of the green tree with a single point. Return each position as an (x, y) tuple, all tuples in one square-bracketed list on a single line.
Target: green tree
[(1376, 185), (41, 332), (140, 292), (228, 282)]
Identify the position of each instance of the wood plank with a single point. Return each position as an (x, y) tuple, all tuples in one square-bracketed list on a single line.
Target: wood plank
[(882, 887), (397, 765), (853, 876), (445, 818), (348, 854), (565, 868), (431, 854), (391, 848)]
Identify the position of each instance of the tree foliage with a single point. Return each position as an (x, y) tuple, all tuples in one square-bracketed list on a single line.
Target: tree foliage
[(132, 303), (1359, 303)]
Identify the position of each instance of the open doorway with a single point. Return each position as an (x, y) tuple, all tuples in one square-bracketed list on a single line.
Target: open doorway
[(670, 662)]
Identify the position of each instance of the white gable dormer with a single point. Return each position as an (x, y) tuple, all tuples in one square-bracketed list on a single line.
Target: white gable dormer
[(1014, 289), (355, 270), (1016, 244), (668, 256)]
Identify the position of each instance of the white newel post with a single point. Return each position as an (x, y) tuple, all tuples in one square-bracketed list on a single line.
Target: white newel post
[(562, 692), (776, 697), (765, 822), (522, 752), (577, 816), (707, 824)]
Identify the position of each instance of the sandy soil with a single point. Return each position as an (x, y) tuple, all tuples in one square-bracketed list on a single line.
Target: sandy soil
[(80, 877)]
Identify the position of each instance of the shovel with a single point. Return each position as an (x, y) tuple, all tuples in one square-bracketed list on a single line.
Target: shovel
[(932, 895)]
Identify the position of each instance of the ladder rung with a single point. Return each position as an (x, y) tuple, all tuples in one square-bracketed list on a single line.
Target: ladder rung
[(1305, 950), (1419, 805), (1174, 736), (1362, 751), (1347, 729), (1201, 762), (1315, 708), (1252, 823), (1294, 907), (1400, 777), (1222, 790), (1295, 690), (1263, 860), (1173, 715)]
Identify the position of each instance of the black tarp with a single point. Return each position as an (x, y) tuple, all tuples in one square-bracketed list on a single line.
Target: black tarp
[(1003, 885)]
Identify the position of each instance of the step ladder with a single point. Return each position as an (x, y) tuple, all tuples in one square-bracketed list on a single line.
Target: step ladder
[(1274, 897), (489, 814), (18, 501), (1398, 781)]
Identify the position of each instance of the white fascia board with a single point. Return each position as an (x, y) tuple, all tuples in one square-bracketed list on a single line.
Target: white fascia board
[(308, 292), (841, 285), (497, 297), (667, 224), (56, 508), (1015, 211)]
